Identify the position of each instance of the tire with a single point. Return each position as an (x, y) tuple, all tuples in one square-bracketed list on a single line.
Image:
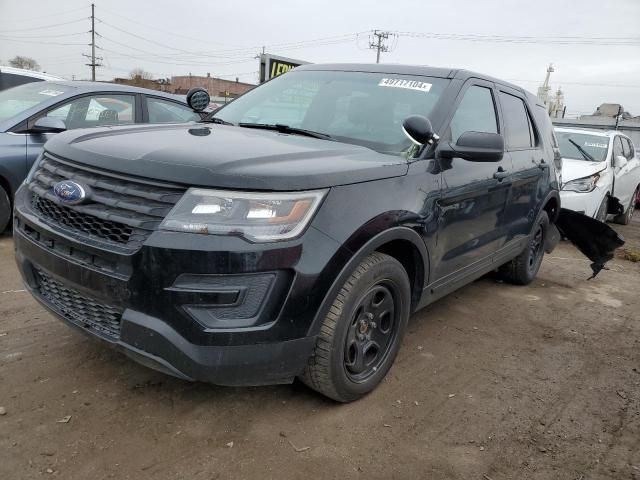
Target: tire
[(627, 215), (5, 209), (524, 268), (601, 214), (346, 364)]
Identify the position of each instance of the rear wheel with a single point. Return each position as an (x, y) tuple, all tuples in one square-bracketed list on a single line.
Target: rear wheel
[(361, 334), (5, 209), (524, 268), (625, 217)]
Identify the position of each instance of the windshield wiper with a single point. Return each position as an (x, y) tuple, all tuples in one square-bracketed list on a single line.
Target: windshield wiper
[(216, 120), (287, 129), (585, 154)]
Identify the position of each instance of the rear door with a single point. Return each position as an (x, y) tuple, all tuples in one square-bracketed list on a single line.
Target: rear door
[(523, 142), (474, 195)]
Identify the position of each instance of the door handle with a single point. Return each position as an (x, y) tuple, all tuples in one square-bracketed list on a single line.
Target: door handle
[(500, 174)]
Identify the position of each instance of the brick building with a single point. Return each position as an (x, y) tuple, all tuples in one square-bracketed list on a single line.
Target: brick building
[(217, 87), (161, 84)]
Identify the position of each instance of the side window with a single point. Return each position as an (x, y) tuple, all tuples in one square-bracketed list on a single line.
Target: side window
[(627, 148), (617, 147), (165, 111), (518, 129), (476, 113), (96, 110)]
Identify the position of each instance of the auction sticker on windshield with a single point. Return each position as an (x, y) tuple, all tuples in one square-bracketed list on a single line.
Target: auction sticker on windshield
[(402, 83), (51, 93)]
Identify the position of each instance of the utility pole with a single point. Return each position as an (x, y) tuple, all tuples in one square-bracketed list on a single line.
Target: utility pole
[(618, 116), (93, 57), (377, 43)]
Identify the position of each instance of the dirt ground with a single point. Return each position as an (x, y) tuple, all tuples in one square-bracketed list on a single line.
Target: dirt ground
[(494, 382)]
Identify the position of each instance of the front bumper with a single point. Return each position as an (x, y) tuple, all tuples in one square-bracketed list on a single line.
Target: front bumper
[(175, 308), (585, 203)]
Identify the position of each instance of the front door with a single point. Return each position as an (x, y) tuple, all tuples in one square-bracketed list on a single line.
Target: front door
[(84, 112), (626, 177), (474, 194)]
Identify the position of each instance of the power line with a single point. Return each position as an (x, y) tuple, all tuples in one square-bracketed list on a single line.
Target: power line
[(57, 14), (553, 40), (20, 37), (231, 62), (40, 43), (43, 27), (167, 32), (585, 84)]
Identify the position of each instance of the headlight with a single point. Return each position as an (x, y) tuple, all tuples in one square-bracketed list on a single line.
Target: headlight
[(259, 217), (582, 185)]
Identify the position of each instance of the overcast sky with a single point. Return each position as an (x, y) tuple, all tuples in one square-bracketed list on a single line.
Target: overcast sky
[(168, 37)]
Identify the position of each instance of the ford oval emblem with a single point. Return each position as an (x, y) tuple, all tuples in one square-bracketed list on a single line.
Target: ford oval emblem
[(70, 192)]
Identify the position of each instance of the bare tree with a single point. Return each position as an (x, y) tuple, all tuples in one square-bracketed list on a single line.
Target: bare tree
[(24, 62), (140, 74)]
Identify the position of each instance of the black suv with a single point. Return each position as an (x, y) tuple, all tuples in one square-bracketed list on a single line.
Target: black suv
[(293, 232)]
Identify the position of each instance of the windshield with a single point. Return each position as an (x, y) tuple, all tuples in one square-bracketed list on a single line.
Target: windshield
[(21, 98), (582, 146), (354, 107)]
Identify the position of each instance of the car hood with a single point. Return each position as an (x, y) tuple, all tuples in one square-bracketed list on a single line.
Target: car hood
[(225, 156), (573, 169)]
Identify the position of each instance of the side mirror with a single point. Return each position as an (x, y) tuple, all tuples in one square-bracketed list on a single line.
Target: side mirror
[(198, 99), (419, 130), (474, 147), (49, 125), (619, 161)]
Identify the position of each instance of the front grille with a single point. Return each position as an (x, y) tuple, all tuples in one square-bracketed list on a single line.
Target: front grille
[(78, 308), (120, 210)]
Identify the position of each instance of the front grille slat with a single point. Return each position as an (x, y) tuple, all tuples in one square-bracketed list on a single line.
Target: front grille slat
[(122, 201), (164, 195), (79, 308), (120, 210)]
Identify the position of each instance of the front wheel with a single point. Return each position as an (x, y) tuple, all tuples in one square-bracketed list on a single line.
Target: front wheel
[(5, 209), (361, 334), (626, 217), (524, 268)]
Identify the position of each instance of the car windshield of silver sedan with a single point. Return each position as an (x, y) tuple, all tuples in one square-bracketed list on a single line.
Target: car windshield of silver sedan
[(18, 99), (353, 107), (582, 146)]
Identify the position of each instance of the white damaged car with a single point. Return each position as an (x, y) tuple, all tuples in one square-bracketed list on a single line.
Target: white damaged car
[(600, 173)]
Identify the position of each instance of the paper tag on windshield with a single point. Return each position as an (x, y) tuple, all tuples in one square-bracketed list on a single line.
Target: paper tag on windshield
[(595, 145), (51, 93), (408, 84)]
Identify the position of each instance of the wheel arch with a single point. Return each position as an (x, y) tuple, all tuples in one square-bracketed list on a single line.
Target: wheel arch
[(551, 205), (401, 243)]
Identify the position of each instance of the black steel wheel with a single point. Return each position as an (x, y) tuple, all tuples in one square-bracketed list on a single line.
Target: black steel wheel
[(524, 268), (371, 332), (361, 333)]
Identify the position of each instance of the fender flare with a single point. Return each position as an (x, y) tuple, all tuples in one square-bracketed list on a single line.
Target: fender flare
[(386, 236), (555, 195)]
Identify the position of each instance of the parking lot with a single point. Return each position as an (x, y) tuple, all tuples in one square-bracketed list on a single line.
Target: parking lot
[(493, 382)]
